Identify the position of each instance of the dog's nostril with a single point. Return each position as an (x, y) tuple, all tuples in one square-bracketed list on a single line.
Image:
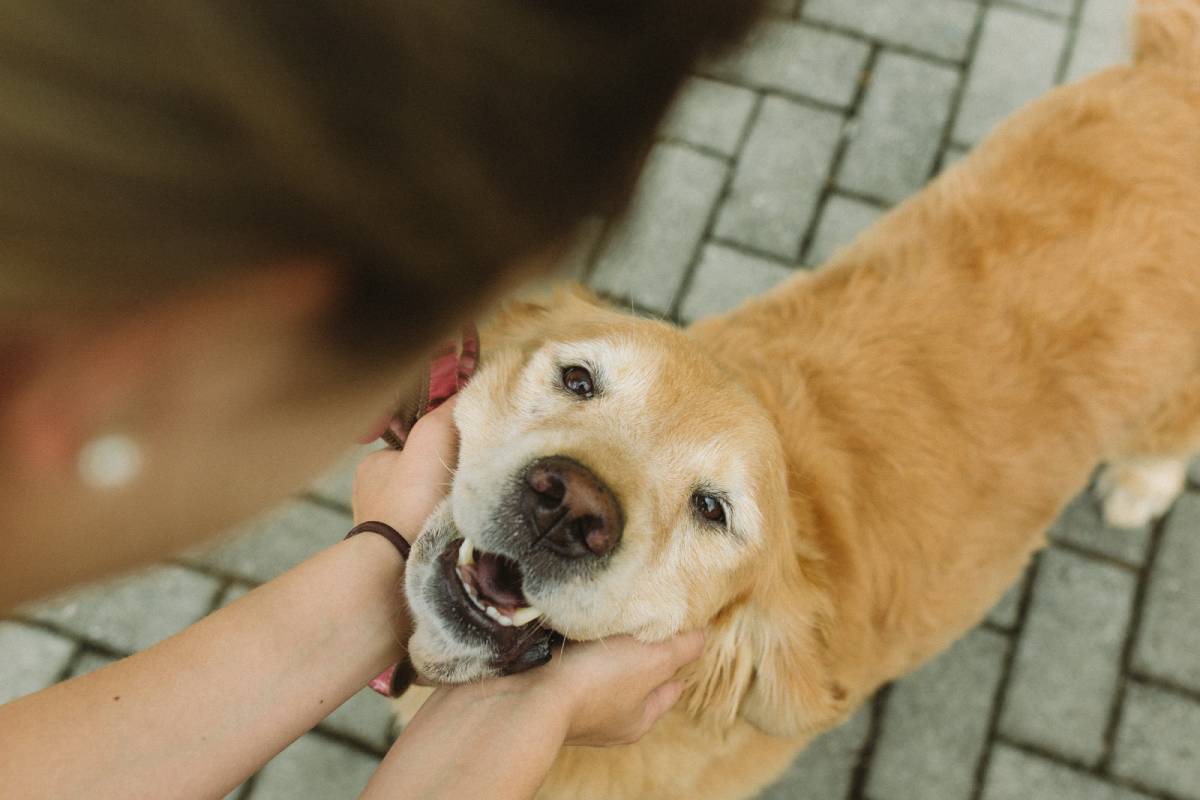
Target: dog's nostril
[(570, 511), (594, 534), (549, 488)]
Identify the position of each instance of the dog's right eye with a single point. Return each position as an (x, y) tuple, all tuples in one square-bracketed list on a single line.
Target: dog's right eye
[(578, 381), (709, 507)]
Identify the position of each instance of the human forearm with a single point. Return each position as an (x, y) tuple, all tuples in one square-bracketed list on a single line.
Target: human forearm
[(474, 742), (198, 713)]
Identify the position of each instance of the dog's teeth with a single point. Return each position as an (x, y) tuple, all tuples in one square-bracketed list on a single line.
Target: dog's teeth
[(466, 552), (525, 616), (498, 617)]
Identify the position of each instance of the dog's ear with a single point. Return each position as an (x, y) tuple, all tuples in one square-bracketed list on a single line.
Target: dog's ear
[(514, 323), (526, 318), (765, 661)]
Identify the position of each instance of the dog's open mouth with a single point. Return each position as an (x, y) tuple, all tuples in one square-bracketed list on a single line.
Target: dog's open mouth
[(493, 585), (485, 589)]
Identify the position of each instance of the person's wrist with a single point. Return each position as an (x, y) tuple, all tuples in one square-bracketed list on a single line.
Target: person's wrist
[(382, 556), (374, 575), (540, 694), (407, 524)]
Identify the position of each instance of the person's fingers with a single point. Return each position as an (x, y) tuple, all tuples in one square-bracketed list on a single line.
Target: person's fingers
[(434, 435), (680, 650), (658, 702), (442, 415), (662, 699)]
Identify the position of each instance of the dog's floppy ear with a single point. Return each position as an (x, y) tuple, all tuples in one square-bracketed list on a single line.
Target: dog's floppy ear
[(526, 317), (765, 660)]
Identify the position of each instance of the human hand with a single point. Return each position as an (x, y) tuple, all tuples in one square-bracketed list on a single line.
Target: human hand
[(612, 691), (403, 487)]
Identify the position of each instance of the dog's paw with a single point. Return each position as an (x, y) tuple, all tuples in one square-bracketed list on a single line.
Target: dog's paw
[(1136, 491)]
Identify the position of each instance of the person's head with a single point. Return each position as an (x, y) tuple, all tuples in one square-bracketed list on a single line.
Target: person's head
[(227, 229)]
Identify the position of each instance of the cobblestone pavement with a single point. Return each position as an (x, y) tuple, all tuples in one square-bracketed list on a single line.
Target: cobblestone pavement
[(1083, 684)]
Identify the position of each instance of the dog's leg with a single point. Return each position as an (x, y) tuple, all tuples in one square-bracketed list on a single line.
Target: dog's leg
[(1136, 490), (1142, 483)]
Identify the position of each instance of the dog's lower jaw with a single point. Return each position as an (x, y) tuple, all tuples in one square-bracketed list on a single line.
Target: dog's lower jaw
[(428, 651), (435, 655)]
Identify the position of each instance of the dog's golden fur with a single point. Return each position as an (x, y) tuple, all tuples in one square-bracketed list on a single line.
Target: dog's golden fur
[(939, 391)]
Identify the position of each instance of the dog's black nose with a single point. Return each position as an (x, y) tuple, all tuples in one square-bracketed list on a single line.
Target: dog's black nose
[(569, 509)]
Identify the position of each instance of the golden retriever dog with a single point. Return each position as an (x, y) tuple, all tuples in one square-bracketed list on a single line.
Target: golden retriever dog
[(840, 477)]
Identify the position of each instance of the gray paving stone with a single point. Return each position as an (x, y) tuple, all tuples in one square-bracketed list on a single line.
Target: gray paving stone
[(1101, 40), (789, 57), (940, 27), (1015, 61), (1014, 775), (710, 114), (824, 770), (1168, 644), (1005, 612), (314, 768), (724, 278), (954, 154), (132, 613), (1194, 471), (366, 716), (779, 179), (1068, 658), (1059, 8), (842, 219), (89, 662), (899, 129), (1158, 741), (936, 723), (233, 593), (30, 659), (1082, 523), (277, 542), (646, 258), (336, 484)]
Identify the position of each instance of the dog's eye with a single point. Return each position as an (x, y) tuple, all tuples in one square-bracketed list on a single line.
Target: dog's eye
[(709, 507), (578, 381)]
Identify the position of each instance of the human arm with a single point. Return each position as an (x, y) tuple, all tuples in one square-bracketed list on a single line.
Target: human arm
[(499, 738), (198, 713)]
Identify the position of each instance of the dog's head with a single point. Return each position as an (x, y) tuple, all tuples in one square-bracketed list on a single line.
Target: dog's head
[(613, 478)]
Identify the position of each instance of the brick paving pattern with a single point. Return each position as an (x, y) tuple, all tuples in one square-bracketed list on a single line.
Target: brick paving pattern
[(1082, 684)]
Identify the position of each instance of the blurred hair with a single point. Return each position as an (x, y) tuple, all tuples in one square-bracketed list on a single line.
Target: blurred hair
[(422, 145)]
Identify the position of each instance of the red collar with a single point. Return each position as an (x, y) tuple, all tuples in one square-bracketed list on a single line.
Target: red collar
[(450, 367)]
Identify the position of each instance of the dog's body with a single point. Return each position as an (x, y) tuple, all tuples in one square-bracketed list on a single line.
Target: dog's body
[(940, 390)]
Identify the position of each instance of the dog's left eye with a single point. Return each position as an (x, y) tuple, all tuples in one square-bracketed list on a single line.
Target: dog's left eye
[(709, 507), (578, 381)]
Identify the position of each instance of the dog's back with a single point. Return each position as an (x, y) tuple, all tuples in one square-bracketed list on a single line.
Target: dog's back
[(1168, 37), (951, 379)]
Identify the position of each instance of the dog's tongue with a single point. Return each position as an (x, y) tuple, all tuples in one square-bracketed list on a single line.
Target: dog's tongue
[(499, 581)]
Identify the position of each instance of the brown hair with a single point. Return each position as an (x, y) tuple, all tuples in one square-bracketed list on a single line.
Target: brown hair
[(424, 144)]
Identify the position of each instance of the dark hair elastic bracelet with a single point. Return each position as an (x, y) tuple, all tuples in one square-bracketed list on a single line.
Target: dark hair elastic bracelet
[(386, 531)]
